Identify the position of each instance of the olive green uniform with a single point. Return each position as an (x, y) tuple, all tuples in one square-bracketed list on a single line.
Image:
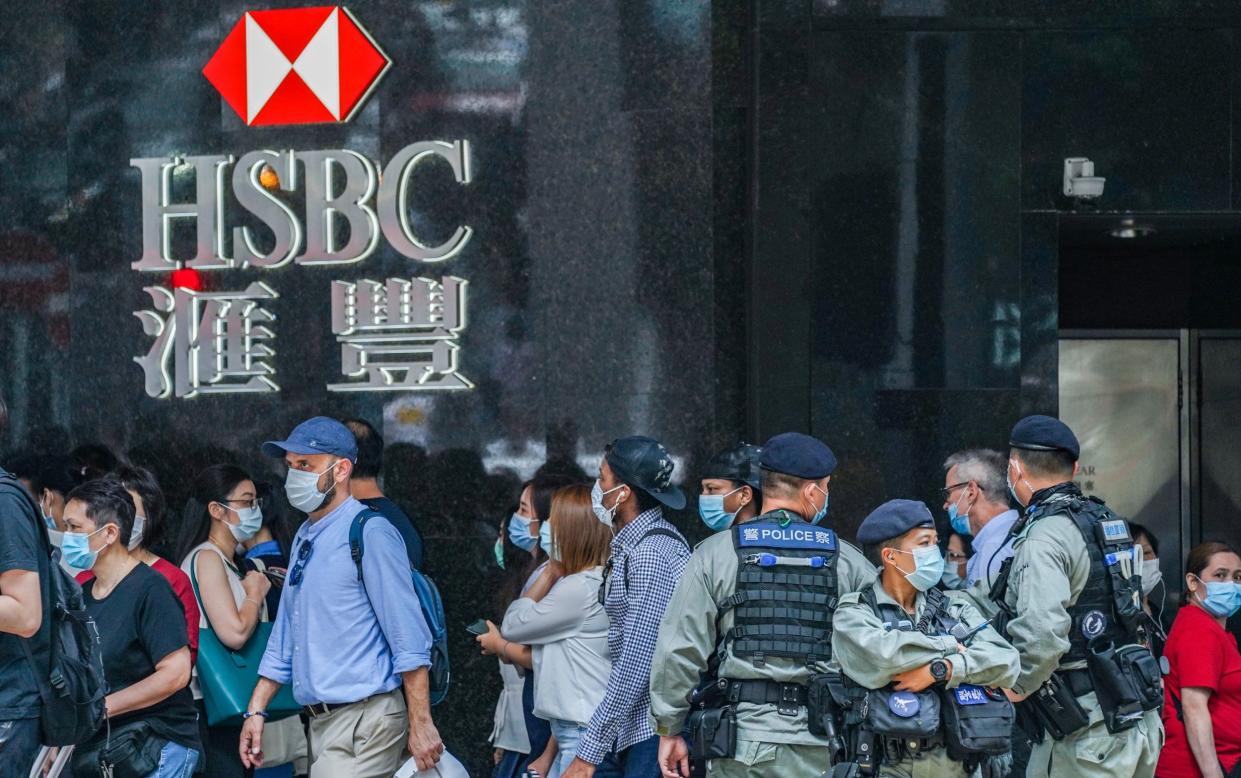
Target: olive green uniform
[(1050, 568), (768, 744), (870, 655)]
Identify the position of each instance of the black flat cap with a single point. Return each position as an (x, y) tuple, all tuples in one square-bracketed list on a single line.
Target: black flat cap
[(645, 463), (739, 463), (893, 519), (1044, 433), (798, 455)]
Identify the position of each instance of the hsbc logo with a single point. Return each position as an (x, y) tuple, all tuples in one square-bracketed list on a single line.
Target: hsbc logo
[(296, 66)]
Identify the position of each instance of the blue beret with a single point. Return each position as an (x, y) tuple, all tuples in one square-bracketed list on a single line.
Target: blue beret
[(798, 455), (1043, 433), (319, 435), (740, 464), (893, 519)]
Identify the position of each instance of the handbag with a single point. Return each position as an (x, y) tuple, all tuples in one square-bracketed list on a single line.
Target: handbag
[(132, 750), (227, 677)]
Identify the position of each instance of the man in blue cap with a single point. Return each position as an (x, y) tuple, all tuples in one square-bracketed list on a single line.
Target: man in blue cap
[(648, 557), (355, 648), (1070, 602), (753, 612), (901, 636)]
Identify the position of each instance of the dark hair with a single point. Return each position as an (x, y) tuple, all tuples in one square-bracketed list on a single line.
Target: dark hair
[(94, 460), (967, 544), (26, 466), (782, 485), (58, 474), (1136, 530), (1048, 464), (370, 448), (142, 481), (211, 485), (106, 502), (275, 517), (1200, 556), (516, 565), (542, 488)]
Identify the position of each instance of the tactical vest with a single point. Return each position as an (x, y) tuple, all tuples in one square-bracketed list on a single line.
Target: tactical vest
[(1109, 608), (786, 591)]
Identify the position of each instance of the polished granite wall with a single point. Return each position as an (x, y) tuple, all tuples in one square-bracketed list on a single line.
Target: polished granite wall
[(593, 271), (908, 205)]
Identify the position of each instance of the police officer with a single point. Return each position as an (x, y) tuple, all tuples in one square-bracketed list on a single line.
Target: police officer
[(731, 487), (756, 722), (908, 639), (1068, 593)]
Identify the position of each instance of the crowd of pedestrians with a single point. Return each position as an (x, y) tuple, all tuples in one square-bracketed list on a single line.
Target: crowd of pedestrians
[(233, 636)]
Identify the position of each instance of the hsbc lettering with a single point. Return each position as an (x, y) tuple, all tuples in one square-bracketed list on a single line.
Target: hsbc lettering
[(339, 184)]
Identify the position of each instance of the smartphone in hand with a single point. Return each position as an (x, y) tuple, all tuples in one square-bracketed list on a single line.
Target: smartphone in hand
[(478, 628)]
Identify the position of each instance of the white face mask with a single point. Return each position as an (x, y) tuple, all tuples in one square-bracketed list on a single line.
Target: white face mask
[(249, 522), (1151, 575), (135, 534), (302, 489)]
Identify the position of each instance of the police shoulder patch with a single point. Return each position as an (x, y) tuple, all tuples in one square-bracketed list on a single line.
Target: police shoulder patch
[(800, 536)]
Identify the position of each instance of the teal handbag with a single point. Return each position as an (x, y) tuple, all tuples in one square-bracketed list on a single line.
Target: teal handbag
[(227, 677)]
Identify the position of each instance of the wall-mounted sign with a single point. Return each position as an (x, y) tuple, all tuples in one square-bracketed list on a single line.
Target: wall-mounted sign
[(296, 66)]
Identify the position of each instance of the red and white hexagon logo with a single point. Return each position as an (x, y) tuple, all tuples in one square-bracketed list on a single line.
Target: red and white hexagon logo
[(296, 66)]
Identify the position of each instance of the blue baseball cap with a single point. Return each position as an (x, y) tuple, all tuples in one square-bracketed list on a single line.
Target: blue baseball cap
[(798, 455), (1044, 433), (893, 519), (645, 463), (319, 435)]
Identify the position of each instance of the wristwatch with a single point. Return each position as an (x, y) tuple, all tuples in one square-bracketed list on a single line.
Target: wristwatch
[(939, 670)]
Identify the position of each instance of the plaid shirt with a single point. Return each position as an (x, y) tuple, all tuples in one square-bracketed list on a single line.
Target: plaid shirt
[(652, 569)]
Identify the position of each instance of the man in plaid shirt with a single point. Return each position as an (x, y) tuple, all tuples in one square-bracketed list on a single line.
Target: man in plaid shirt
[(648, 557)]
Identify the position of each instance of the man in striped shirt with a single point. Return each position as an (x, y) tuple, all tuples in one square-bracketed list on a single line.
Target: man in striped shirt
[(648, 557)]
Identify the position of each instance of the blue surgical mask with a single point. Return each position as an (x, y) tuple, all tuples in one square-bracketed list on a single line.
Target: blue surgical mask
[(822, 512), (960, 521), (953, 580), (76, 549), (603, 514), (1223, 598), (545, 537), (499, 550), (928, 567), (519, 533), (48, 518), (249, 521), (711, 510)]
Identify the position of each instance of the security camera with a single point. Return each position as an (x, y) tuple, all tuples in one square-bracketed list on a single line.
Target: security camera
[(1080, 180)]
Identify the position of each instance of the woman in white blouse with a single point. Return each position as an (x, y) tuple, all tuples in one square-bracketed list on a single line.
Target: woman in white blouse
[(560, 625)]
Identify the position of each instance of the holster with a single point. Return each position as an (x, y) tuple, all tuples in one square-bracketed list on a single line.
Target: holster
[(1115, 690), (713, 733), (1057, 709), (825, 711)]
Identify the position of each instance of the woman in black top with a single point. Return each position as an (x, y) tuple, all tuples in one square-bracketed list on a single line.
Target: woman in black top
[(146, 656)]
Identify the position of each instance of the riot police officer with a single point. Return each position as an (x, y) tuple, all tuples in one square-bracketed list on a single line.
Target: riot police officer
[(922, 668), (1070, 599), (731, 487), (753, 719)]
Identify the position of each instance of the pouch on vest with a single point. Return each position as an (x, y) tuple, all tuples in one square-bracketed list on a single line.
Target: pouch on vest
[(1122, 681), (1056, 709), (977, 721), (904, 715), (714, 733)]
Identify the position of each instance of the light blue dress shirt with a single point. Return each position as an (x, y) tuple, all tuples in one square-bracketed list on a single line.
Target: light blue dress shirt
[(330, 640), (991, 547)]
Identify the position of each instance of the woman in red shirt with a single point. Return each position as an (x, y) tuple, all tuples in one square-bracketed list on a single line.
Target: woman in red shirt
[(1202, 691)]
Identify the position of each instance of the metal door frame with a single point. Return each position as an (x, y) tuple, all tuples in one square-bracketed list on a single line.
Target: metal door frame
[(1194, 392), (1186, 416)]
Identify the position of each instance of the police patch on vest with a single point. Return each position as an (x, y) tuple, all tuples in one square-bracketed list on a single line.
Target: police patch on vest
[(1093, 624), (1115, 530), (970, 695), (904, 704), (800, 536)]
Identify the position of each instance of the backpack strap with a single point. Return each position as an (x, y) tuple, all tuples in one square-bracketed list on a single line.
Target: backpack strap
[(357, 545), (652, 532)]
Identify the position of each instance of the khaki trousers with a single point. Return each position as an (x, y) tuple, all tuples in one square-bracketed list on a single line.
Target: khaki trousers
[(771, 760), (1094, 753), (363, 740)]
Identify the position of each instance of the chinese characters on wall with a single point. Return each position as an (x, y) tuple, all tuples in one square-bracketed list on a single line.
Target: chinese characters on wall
[(398, 334)]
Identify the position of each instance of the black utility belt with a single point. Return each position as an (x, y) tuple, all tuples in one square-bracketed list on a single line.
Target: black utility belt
[(1078, 682), (788, 698)]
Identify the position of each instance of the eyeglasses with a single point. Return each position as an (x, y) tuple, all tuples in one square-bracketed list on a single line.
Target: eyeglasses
[(247, 503), (955, 557), (947, 490), (303, 555)]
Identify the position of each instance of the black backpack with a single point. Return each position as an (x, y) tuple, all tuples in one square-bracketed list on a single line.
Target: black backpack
[(72, 685)]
